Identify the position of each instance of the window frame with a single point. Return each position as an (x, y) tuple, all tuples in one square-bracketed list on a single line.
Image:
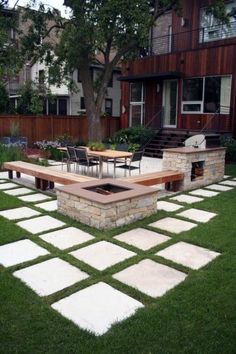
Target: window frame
[(203, 96)]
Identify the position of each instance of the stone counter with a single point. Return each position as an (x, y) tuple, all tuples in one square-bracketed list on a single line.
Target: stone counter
[(211, 161)]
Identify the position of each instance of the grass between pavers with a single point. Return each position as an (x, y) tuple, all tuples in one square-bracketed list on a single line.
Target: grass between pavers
[(198, 316)]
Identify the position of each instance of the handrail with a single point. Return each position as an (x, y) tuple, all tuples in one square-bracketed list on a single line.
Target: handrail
[(216, 113), (158, 113)]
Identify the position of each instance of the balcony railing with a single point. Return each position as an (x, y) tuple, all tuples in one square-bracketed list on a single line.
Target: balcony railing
[(189, 40)]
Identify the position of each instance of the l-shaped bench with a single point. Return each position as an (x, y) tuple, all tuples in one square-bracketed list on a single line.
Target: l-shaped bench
[(46, 177)]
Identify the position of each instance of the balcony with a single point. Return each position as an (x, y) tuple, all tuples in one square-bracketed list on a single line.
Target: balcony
[(190, 40)]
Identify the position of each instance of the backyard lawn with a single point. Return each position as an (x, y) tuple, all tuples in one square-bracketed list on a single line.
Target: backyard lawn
[(197, 316)]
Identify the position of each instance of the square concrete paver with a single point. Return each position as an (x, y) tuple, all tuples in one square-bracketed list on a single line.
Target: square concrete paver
[(167, 206), (40, 224), (102, 255), (97, 307), (227, 183), (197, 215), (2, 181), (151, 278), (142, 238), (188, 255), (204, 193), (18, 191), (20, 251), (189, 199), (5, 186), (48, 206), (66, 238), (173, 225), (19, 213), (48, 277), (219, 187), (227, 176), (37, 197)]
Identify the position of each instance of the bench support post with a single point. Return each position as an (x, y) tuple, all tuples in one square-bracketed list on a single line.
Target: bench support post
[(18, 174), (10, 174), (44, 184)]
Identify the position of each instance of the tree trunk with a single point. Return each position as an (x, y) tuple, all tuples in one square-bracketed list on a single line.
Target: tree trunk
[(93, 110)]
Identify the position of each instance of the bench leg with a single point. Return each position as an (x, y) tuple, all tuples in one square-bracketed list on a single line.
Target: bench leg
[(43, 184), (168, 186), (51, 185), (10, 174), (37, 182), (18, 174)]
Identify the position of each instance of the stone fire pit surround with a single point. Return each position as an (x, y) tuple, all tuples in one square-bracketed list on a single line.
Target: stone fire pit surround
[(81, 202)]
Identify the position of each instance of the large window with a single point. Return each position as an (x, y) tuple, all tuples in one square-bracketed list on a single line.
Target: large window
[(136, 104), (212, 29), (206, 95)]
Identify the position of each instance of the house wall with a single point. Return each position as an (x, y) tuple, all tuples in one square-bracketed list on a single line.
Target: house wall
[(190, 59)]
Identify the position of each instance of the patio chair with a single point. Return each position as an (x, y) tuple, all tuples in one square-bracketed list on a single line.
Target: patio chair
[(83, 160), (136, 157), (71, 157)]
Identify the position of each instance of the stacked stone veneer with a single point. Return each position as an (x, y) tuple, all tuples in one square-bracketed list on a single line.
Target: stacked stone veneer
[(181, 159), (106, 216)]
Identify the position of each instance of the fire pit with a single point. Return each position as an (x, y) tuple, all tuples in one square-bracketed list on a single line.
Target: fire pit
[(107, 203)]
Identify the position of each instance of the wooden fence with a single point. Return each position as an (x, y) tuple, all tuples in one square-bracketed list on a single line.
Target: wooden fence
[(37, 128)]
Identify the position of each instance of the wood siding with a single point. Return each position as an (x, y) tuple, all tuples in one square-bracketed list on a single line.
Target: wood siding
[(37, 128), (190, 60)]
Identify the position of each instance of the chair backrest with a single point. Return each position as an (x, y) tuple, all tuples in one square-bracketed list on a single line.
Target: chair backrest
[(81, 154), (122, 147), (71, 152), (137, 156)]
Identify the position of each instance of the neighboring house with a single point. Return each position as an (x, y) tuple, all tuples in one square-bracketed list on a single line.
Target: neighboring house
[(187, 79), (64, 101)]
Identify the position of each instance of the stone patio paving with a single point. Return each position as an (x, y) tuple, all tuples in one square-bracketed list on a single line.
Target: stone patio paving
[(97, 307)]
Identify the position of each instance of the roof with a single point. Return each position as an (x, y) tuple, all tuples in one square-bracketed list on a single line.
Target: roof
[(163, 75)]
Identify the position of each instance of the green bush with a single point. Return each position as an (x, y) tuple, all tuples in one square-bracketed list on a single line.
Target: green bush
[(11, 153), (230, 145), (134, 135)]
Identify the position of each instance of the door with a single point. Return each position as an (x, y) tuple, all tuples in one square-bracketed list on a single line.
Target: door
[(170, 94), (136, 110)]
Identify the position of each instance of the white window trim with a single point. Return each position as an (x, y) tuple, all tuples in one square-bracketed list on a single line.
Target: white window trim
[(203, 95), (137, 103)]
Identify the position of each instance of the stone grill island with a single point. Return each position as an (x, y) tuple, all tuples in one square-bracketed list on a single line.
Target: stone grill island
[(107, 203), (201, 166)]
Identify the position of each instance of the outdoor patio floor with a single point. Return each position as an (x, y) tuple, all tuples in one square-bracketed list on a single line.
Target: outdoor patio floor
[(54, 256)]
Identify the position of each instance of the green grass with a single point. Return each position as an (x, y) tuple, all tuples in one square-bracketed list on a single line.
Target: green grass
[(198, 316)]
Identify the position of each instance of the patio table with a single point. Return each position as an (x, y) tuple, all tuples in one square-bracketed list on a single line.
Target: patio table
[(106, 155)]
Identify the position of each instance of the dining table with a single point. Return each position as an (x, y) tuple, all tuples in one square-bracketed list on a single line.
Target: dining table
[(105, 155)]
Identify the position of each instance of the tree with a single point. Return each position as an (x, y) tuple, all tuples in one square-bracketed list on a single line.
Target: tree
[(102, 31), (9, 57)]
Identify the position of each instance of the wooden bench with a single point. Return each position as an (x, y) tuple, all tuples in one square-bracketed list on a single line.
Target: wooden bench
[(45, 177), (170, 178)]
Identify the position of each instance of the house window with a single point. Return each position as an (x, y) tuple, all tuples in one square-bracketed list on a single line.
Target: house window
[(41, 77), (211, 29), (62, 107), (110, 83), (207, 95), (108, 106), (136, 104), (52, 107), (82, 103)]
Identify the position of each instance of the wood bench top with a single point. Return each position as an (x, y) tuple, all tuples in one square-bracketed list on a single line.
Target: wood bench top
[(159, 177), (46, 173)]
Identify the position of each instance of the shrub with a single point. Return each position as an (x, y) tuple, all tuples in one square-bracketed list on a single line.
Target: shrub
[(94, 146), (134, 135), (230, 145), (11, 153)]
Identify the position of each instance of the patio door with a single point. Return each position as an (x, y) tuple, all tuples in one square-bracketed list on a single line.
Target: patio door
[(170, 95), (136, 104)]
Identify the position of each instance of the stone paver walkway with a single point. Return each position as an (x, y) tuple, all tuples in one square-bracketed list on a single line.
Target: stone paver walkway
[(97, 307)]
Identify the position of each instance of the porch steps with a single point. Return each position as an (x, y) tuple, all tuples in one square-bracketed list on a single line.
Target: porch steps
[(163, 140), (174, 138)]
